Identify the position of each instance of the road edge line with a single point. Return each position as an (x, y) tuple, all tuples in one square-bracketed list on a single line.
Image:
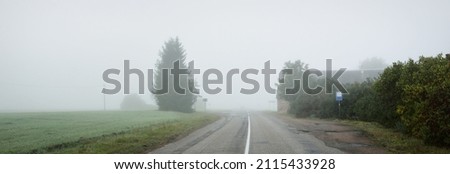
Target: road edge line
[(247, 144)]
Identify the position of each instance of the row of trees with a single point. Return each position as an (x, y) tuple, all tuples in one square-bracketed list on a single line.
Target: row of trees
[(411, 96)]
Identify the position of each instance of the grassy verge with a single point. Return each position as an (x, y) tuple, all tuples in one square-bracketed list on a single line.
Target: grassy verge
[(137, 140), (395, 142), (95, 132)]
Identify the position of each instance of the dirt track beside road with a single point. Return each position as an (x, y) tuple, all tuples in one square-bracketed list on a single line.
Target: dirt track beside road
[(334, 134)]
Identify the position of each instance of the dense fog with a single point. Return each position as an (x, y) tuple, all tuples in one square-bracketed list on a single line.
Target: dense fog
[(53, 53)]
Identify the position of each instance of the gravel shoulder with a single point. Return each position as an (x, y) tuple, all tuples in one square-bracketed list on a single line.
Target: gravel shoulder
[(334, 134)]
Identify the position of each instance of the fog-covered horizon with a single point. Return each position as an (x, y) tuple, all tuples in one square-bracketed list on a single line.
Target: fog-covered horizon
[(53, 53)]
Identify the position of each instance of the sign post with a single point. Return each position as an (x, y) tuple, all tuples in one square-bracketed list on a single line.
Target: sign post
[(339, 98)]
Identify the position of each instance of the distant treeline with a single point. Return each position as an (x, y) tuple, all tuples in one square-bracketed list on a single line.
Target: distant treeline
[(412, 97)]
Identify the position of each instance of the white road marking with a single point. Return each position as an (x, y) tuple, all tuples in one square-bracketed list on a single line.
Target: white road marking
[(247, 144)]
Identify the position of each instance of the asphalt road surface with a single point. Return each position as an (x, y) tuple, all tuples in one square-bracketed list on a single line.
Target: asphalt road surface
[(247, 132)]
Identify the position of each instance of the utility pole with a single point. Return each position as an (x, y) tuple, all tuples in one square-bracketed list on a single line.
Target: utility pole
[(339, 109), (204, 101), (104, 99)]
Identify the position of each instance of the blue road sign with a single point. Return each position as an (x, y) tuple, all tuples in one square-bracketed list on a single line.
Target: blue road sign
[(339, 96)]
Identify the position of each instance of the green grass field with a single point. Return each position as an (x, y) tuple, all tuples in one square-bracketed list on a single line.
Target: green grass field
[(95, 131)]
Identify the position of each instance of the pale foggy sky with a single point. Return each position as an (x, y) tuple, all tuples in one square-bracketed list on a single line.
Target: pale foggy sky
[(53, 53)]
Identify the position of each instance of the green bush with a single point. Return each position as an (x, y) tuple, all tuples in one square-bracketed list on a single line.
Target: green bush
[(388, 92), (425, 99), (305, 105)]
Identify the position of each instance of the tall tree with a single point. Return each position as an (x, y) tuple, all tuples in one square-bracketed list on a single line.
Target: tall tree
[(297, 68), (373, 63), (171, 100)]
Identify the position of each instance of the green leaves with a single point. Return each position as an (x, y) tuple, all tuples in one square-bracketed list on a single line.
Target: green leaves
[(424, 107)]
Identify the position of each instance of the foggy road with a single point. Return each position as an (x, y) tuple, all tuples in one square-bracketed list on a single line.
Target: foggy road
[(247, 132)]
